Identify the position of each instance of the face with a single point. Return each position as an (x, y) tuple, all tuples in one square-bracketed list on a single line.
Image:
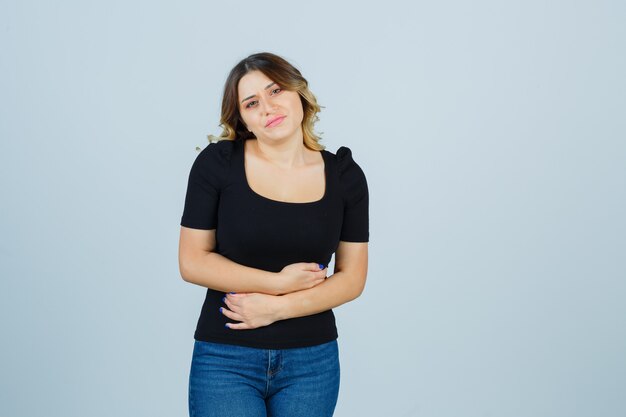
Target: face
[(267, 110)]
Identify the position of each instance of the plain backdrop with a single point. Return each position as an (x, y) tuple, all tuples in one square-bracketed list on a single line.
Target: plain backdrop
[(493, 138)]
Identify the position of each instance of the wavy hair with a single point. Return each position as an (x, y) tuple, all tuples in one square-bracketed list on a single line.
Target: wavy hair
[(288, 77)]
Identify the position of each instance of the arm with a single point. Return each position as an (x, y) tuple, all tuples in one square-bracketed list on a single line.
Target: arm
[(346, 284), (201, 265)]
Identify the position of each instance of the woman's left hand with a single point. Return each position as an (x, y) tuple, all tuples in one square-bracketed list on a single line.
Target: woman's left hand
[(251, 309)]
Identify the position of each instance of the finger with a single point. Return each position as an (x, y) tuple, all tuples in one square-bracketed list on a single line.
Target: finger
[(313, 266), (232, 303), (231, 314), (237, 294), (238, 326), (236, 297)]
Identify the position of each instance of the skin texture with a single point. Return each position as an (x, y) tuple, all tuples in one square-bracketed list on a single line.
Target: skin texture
[(266, 104), (280, 167)]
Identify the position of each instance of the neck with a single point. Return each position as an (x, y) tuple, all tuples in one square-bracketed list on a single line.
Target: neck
[(286, 153)]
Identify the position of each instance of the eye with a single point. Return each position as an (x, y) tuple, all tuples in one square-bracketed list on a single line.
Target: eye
[(273, 92)]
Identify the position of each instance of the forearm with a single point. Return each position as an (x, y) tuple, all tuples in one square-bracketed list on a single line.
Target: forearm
[(338, 289), (215, 271)]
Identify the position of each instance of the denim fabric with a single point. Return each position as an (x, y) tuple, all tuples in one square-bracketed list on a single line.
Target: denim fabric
[(238, 381)]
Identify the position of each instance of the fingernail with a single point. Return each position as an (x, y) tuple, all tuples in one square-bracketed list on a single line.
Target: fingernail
[(321, 266), (226, 325), (232, 293), (224, 299), (221, 310)]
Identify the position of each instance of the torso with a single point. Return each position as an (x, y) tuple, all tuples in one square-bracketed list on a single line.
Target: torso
[(297, 185), (266, 231)]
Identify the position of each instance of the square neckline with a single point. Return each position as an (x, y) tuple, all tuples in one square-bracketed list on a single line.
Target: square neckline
[(293, 203)]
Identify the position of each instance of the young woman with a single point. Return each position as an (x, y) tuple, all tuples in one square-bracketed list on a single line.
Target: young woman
[(266, 208)]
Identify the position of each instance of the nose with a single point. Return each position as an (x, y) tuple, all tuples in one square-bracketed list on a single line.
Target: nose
[(267, 106)]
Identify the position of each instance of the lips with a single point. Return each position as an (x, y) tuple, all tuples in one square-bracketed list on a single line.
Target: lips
[(274, 121)]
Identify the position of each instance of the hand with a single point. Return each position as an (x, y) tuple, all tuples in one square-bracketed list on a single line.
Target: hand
[(300, 276), (251, 309)]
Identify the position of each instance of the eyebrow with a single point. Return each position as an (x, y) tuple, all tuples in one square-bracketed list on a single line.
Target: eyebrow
[(254, 95)]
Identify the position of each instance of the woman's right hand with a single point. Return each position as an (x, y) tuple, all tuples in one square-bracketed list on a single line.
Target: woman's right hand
[(300, 276)]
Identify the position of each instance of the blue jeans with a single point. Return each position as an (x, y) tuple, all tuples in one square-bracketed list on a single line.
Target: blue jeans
[(238, 381)]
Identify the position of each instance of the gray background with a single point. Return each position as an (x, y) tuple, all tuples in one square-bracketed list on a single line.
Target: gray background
[(492, 135)]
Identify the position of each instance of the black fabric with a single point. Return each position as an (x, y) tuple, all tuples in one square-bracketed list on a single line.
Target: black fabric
[(262, 233)]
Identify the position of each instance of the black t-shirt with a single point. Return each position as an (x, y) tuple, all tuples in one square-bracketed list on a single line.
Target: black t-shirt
[(267, 234)]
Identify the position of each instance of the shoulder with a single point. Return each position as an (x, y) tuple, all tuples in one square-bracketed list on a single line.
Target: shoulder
[(351, 175), (212, 164), (221, 150), (346, 164), (215, 156)]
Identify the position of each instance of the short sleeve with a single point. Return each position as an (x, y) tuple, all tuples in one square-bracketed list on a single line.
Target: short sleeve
[(355, 226), (206, 179)]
